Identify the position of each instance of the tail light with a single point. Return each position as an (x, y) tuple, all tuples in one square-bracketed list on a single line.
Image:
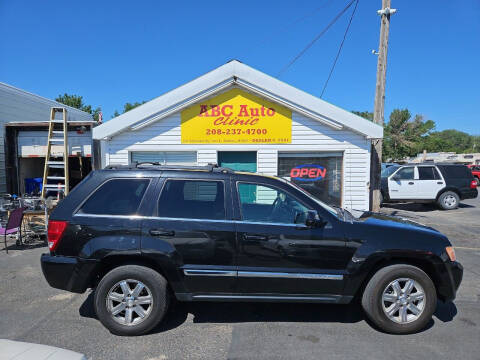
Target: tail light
[(473, 184), (55, 233)]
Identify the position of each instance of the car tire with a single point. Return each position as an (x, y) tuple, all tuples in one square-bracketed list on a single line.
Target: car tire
[(448, 200), (402, 321), (131, 300)]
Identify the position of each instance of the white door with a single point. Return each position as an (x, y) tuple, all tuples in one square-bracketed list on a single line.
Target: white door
[(166, 157), (402, 184), (430, 182)]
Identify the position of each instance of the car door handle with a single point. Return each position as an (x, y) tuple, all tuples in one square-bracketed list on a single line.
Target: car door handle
[(300, 245), (255, 237), (440, 182), (160, 232), (411, 183)]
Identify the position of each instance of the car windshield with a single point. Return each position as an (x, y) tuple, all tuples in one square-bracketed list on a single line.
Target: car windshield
[(387, 171), (330, 209)]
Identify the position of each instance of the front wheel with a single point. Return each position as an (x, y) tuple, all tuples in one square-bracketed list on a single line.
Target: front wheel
[(400, 299), (131, 300)]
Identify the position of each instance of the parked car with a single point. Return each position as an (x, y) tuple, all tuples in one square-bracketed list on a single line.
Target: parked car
[(475, 172), (443, 184), (142, 235)]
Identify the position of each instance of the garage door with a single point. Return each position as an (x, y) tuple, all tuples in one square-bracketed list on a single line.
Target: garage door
[(166, 157)]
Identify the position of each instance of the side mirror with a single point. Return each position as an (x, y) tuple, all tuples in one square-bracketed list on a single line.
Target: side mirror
[(312, 219)]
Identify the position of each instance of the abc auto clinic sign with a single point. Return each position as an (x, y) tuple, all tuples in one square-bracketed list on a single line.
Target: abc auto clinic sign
[(236, 117)]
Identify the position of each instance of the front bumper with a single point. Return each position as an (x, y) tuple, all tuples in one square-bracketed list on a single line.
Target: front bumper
[(450, 282), (68, 273)]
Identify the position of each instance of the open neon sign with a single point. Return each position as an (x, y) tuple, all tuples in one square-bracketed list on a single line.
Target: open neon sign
[(308, 172)]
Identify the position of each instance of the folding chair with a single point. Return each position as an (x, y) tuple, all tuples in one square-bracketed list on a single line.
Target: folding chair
[(14, 225)]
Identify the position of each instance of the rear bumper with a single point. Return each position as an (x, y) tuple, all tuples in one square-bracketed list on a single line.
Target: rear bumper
[(469, 194), (68, 273), (451, 279)]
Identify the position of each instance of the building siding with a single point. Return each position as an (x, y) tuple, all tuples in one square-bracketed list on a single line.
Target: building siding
[(307, 135)]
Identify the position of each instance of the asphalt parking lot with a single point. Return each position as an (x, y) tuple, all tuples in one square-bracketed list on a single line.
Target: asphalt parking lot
[(32, 311)]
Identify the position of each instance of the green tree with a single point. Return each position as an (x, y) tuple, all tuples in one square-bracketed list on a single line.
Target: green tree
[(365, 114), (76, 101), (449, 140), (128, 107), (404, 136)]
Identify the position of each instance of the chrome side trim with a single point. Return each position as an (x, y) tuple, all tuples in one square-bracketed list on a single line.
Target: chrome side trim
[(261, 274), (131, 217), (195, 272), (265, 274), (184, 219)]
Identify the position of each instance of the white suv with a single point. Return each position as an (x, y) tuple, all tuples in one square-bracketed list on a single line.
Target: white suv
[(445, 184)]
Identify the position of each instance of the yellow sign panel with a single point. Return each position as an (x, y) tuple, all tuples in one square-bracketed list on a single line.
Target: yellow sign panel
[(236, 117)]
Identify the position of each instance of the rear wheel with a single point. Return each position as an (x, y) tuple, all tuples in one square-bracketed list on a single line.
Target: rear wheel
[(400, 299), (131, 300), (448, 200)]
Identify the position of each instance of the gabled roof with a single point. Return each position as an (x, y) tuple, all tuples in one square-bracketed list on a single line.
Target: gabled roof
[(20, 106), (237, 74)]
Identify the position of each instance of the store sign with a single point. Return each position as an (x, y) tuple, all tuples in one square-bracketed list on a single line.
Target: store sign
[(236, 117), (308, 172)]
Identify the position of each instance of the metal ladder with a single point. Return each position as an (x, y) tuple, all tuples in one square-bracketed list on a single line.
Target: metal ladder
[(57, 134)]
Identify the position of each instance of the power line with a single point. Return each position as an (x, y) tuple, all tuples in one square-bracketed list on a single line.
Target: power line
[(340, 48), (310, 44), (289, 27)]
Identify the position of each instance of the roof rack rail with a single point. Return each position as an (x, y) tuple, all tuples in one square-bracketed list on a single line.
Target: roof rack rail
[(153, 165)]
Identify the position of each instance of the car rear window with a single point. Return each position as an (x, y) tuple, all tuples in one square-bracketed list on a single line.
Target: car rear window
[(428, 173), (456, 171), (192, 199), (116, 197)]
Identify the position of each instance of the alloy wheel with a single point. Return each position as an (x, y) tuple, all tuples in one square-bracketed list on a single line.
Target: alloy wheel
[(450, 200), (129, 302), (403, 300)]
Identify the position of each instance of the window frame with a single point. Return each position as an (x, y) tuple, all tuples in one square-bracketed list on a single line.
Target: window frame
[(77, 212), (239, 203), (162, 187), (403, 168), (435, 172)]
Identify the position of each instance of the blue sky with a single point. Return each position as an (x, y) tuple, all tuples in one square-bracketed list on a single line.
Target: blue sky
[(112, 52)]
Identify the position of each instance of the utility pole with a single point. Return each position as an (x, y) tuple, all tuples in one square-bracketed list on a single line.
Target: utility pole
[(378, 112)]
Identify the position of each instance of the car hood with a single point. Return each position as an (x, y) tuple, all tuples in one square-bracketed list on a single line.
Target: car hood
[(389, 221)]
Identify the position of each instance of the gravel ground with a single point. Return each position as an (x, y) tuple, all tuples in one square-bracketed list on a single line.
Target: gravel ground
[(32, 311)]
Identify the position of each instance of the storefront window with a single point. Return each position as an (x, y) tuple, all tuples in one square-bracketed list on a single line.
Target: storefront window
[(318, 173)]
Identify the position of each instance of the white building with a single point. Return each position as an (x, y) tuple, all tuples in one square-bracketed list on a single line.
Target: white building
[(24, 121), (241, 118), (471, 158)]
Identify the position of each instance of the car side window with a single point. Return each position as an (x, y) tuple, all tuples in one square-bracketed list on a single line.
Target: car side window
[(428, 173), (192, 199), (406, 173), (262, 203), (116, 197)]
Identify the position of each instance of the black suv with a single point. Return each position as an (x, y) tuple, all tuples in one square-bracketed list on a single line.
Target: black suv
[(145, 234)]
